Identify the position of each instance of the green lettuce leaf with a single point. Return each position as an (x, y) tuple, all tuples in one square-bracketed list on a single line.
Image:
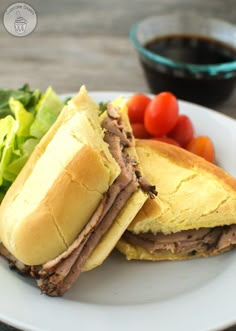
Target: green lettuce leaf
[(25, 116), (22, 116), (8, 129), (16, 164), (47, 112), (28, 98)]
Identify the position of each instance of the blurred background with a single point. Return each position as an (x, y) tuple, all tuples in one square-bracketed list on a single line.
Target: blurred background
[(86, 42)]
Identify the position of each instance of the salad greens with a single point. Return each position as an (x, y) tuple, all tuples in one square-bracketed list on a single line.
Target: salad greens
[(28, 99), (102, 107), (47, 111), (25, 116)]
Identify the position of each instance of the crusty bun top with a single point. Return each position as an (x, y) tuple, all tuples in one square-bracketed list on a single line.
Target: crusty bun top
[(192, 193), (60, 187)]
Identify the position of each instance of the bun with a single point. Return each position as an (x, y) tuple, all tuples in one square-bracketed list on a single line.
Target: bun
[(59, 169), (133, 252), (192, 193)]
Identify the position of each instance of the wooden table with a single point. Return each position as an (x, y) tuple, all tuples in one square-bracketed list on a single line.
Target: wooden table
[(86, 42)]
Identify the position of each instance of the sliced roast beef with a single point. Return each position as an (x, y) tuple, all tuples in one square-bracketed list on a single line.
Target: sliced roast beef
[(146, 186), (228, 238), (188, 241), (115, 128), (60, 281), (57, 276)]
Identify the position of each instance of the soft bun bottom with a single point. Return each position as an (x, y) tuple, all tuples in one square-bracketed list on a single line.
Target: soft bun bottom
[(133, 252)]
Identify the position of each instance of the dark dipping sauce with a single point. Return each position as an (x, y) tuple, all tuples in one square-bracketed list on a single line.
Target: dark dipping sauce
[(200, 88)]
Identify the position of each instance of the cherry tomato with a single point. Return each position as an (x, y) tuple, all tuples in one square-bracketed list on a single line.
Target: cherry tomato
[(183, 130), (161, 114), (139, 131), (167, 140), (202, 146), (136, 107)]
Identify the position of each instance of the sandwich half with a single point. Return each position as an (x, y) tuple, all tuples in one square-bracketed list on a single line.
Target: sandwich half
[(75, 196), (194, 214)]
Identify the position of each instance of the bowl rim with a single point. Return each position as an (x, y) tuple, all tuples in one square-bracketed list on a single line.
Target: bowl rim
[(212, 69)]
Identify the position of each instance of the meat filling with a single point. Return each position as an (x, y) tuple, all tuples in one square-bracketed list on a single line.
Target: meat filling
[(58, 275), (191, 242)]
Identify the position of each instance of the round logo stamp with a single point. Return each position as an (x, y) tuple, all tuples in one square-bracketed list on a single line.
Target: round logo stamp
[(20, 19)]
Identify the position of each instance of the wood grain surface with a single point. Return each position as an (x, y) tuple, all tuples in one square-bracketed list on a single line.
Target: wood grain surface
[(77, 42), (86, 42)]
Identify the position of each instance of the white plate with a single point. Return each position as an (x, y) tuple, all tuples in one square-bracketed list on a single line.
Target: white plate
[(186, 295)]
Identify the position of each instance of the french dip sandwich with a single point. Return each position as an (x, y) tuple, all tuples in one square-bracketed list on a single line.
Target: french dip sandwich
[(194, 214), (75, 197)]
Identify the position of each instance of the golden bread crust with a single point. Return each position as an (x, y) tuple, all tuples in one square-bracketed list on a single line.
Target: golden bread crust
[(192, 193), (186, 159), (133, 252)]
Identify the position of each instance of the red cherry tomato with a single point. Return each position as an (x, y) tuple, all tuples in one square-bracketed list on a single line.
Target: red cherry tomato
[(167, 140), (182, 131), (203, 147), (139, 131), (136, 107), (161, 114)]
